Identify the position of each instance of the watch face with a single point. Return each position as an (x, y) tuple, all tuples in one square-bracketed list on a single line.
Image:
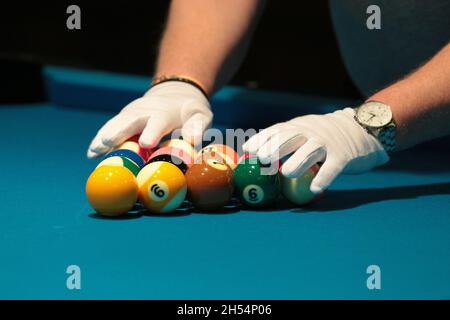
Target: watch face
[(374, 114)]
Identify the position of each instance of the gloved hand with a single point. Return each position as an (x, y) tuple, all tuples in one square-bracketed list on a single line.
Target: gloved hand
[(335, 139), (164, 108)]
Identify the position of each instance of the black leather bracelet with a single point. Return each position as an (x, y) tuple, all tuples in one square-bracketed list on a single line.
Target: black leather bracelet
[(184, 79)]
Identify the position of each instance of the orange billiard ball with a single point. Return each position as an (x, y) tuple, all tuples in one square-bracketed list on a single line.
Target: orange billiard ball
[(219, 152)]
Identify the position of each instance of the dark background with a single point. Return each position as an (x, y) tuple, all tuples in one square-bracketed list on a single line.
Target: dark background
[(293, 49)]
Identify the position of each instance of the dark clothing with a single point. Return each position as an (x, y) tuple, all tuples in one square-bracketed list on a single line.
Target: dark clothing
[(412, 31)]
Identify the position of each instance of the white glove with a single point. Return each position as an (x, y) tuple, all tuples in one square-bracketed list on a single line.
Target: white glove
[(164, 108), (335, 139)]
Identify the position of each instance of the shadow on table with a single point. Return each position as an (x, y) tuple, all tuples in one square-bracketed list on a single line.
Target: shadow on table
[(175, 214), (232, 207), (184, 210), (428, 158), (187, 209), (127, 216), (347, 199)]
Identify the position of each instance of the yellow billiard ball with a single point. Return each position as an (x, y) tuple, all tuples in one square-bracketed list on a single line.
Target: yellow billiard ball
[(162, 187), (112, 190)]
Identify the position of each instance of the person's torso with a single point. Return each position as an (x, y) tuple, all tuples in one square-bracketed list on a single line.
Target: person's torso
[(412, 31)]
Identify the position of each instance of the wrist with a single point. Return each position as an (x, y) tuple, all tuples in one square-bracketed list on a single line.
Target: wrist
[(180, 78), (377, 120), (401, 108), (178, 92), (205, 79)]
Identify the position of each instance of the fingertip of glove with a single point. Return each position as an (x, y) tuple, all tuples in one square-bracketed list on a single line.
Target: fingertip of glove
[(194, 137), (250, 147), (111, 143), (265, 160), (287, 172), (92, 155), (148, 144), (265, 156), (245, 148), (316, 188)]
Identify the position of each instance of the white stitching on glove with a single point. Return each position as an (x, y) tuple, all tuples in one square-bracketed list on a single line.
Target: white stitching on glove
[(164, 108), (334, 138)]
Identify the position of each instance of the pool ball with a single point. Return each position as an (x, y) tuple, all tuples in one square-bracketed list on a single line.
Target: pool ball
[(210, 184), (133, 156), (297, 190), (133, 145), (176, 156), (121, 162), (256, 185), (162, 187), (180, 144), (218, 152), (112, 190)]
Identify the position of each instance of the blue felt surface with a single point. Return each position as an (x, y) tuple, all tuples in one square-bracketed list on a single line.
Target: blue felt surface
[(397, 217)]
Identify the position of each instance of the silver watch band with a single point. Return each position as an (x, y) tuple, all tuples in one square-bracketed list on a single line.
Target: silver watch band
[(387, 136)]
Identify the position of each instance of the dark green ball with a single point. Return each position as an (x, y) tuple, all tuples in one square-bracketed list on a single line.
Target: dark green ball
[(256, 185)]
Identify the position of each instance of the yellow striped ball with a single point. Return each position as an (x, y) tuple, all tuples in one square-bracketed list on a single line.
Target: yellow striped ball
[(162, 187)]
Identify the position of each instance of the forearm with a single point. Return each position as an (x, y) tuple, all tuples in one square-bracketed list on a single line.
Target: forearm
[(421, 102), (207, 39)]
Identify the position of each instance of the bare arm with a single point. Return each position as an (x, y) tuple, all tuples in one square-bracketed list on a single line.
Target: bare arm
[(207, 39), (421, 102)]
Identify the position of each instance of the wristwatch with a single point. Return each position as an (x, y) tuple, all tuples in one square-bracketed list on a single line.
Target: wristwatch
[(377, 119)]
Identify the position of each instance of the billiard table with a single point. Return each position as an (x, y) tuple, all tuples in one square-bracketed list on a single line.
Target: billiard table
[(396, 217)]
